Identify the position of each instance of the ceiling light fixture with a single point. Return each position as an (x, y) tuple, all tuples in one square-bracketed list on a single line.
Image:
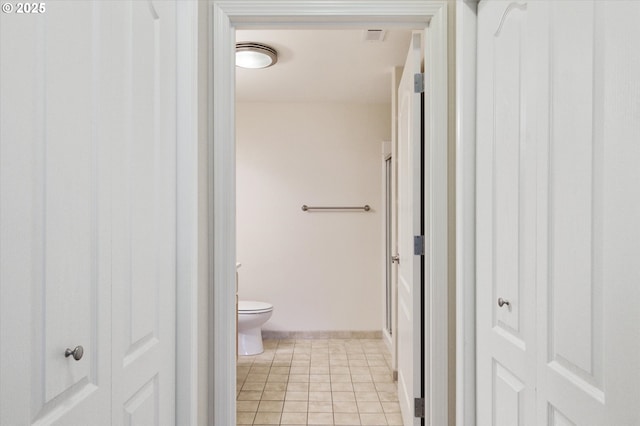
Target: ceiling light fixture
[(255, 55)]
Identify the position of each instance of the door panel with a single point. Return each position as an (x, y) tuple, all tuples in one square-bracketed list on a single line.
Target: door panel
[(54, 220), (508, 397), (506, 227), (144, 221), (570, 287), (575, 112), (409, 199), (88, 213)]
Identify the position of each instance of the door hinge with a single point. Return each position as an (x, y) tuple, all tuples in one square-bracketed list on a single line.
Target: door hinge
[(418, 83), (419, 408), (418, 245)]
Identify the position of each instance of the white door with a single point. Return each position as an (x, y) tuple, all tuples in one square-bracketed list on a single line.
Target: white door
[(55, 245), (505, 218), (558, 207), (409, 225), (75, 114), (144, 214)]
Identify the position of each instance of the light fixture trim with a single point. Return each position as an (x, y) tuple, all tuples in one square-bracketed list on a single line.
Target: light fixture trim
[(255, 55)]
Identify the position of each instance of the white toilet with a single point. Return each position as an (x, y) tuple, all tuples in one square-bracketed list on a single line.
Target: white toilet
[(251, 316)]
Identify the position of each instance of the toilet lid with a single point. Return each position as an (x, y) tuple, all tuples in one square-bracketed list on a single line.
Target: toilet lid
[(253, 306)]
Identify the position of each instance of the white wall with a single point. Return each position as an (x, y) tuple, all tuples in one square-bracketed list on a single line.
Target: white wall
[(320, 270)]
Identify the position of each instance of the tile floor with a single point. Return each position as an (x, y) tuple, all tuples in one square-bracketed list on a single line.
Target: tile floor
[(318, 382)]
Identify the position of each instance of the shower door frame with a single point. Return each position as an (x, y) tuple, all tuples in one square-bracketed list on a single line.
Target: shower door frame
[(224, 18)]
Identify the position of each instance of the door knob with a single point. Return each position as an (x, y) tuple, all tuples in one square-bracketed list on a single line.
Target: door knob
[(77, 352), (395, 259), (502, 302)]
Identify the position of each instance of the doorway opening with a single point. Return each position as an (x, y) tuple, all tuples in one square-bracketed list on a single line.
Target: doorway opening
[(226, 18)]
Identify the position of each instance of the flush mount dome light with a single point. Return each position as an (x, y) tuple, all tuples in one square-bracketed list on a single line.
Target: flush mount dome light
[(255, 55)]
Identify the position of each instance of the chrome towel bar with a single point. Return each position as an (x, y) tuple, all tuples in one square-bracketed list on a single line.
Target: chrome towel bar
[(306, 208)]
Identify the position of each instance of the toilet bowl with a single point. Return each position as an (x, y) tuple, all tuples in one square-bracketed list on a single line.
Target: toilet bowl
[(251, 316)]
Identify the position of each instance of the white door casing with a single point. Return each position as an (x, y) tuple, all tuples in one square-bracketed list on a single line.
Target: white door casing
[(559, 87), (409, 225), (87, 190)]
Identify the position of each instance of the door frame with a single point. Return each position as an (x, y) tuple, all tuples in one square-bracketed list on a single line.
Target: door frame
[(465, 264), (224, 18)]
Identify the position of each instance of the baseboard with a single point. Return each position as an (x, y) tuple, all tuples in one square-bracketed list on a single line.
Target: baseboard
[(273, 334)]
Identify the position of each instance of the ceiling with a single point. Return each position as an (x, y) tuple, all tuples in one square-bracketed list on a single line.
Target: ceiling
[(325, 65)]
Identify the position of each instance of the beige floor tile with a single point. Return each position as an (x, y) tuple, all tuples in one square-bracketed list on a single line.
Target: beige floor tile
[(296, 406), (275, 386), (293, 418), (367, 396), (347, 419), (319, 369), (270, 406), (279, 370), (256, 378), (386, 387), (245, 418), (370, 407), (390, 407), (342, 387), (360, 370), (343, 396), (340, 370), (320, 418), (361, 378), (253, 386), (356, 355), (320, 387), (278, 378), (300, 370), (337, 378), (388, 396), (320, 407), (394, 419), (345, 407), (298, 387), (384, 378), (364, 387), (273, 395), (259, 369), (319, 378), (320, 396), (373, 419), (247, 406), (358, 363), (265, 418), (297, 396), (249, 396)]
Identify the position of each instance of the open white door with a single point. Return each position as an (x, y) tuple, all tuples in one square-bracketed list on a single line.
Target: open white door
[(557, 214), (410, 334)]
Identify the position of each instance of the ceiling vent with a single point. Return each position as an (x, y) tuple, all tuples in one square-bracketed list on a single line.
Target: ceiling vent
[(374, 35)]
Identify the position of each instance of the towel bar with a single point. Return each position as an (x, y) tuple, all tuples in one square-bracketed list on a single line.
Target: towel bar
[(306, 208)]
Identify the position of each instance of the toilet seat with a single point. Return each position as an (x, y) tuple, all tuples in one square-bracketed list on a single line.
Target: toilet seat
[(253, 307)]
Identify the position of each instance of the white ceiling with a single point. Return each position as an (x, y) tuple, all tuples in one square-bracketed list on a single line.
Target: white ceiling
[(323, 66)]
